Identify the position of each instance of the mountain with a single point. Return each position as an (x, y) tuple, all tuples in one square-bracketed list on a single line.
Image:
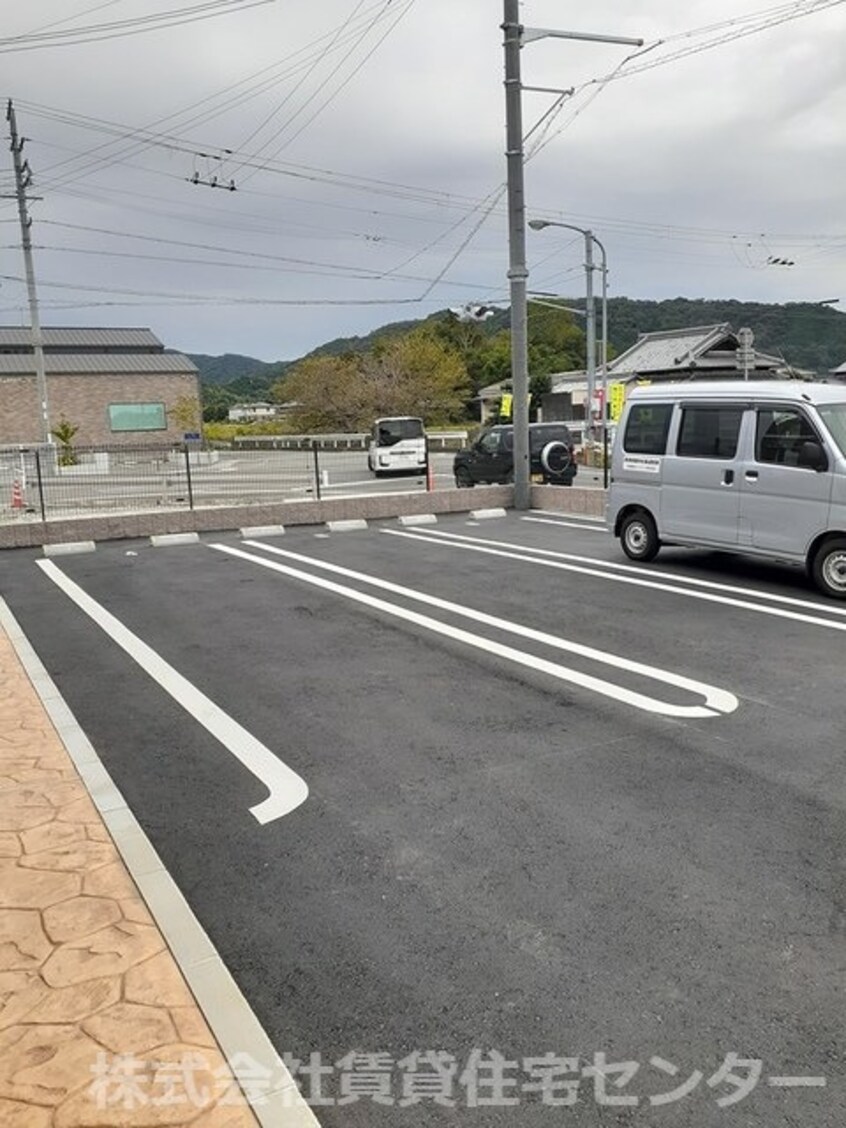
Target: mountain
[(806, 334), (232, 366)]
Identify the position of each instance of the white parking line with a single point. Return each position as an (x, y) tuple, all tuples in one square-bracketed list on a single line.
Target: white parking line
[(287, 789), (540, 556), (578, 516), (591, 528), (717, 701)]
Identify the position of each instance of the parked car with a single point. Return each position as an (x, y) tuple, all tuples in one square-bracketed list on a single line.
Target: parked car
[(491, 457), (755, 467)]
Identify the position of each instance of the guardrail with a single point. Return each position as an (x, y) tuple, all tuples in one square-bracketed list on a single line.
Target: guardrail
[(438, 440)]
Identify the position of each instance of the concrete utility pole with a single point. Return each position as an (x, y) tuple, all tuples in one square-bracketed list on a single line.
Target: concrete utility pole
[(590, 334), (517, 271), (515, 36), (23, 179)]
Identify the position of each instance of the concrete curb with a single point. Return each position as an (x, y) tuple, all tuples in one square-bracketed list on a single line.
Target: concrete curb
[(262, 531), (166, 540), (486, 514), (69, 548), (224, 1007), (419, 519), (351, 525)]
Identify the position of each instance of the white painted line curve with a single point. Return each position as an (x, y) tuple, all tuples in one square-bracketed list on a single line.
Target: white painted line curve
[(287, 790), (717, 701)]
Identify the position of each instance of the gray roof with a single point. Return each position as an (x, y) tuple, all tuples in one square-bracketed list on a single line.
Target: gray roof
[(111, 364), (669, 349), (21, 337)]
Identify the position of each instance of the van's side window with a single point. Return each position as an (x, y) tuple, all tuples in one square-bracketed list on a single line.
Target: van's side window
[(647, 427), (489, 443), (709, 432), (779, 435)]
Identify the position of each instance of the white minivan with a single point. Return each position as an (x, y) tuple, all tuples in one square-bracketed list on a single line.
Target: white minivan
[(397, 446), (755, 467)]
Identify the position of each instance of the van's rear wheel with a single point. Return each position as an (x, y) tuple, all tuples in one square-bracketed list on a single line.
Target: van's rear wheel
[(639, 537), (829, 568)]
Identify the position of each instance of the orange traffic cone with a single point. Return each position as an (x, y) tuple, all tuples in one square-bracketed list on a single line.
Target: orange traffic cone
[(17, 494)]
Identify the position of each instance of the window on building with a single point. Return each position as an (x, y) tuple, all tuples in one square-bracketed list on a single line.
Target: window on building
[(137, 417), (647, 427), (709, 432)]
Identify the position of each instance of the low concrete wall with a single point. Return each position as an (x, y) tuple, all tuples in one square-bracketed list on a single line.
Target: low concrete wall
[(569, 499), (28, 533)]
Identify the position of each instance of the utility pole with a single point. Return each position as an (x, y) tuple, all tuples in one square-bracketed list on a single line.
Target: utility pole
[(590, 332), (517, 271), (23, 179), (515, 36)]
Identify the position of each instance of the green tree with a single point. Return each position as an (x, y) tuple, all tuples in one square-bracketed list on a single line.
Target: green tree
[(64, 432), (556, 343), (185, 413), (418, 374), (414, 373), (332, 392)]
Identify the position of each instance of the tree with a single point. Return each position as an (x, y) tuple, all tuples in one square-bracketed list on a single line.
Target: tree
[(64, 432), (556, 343), (331, 392), (185, 413), (418, 374), (411, 374)]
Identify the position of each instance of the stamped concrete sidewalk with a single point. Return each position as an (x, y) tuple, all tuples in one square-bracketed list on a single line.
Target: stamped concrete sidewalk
[(98, 1028)]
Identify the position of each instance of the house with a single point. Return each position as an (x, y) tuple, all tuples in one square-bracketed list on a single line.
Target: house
[(116, 386), (250, 412), (708, 352)]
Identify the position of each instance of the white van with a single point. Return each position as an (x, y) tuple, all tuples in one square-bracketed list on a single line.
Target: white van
[(754, 467), (397, 446)]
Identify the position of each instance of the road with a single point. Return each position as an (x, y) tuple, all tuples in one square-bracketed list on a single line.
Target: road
[(557, 805)]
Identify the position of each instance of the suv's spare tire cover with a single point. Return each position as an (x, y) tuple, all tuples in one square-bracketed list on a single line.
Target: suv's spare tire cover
[(555, 458)]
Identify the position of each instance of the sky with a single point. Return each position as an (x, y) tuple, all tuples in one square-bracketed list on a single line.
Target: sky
[(365, 139)]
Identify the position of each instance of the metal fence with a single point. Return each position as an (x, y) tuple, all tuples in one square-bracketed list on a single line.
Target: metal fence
[(49, 482)]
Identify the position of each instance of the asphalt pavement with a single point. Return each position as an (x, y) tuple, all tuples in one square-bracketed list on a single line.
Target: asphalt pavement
[(557, 805)]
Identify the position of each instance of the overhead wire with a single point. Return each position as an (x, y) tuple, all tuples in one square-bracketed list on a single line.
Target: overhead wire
[(97, 33)]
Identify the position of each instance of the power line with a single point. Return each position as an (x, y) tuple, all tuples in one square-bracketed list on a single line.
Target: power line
[(119, 29)]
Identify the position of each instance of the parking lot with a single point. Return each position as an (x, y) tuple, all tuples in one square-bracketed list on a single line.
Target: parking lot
[(557, 804)]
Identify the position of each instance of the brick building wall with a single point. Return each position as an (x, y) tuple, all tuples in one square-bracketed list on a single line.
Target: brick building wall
[(84, 399)]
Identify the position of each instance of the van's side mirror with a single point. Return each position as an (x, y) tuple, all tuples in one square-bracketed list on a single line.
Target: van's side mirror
[(812, 455)]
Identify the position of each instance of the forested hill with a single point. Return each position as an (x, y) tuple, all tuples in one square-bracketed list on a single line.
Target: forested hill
[(232, 366), (806, 334)]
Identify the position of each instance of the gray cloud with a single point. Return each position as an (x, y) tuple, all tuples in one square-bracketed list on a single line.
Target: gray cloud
[(691, 173)]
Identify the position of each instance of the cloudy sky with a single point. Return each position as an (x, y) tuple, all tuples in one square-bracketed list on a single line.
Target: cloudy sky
[(365, 142)]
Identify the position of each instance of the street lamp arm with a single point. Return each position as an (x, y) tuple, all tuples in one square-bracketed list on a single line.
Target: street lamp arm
[(531, 34)]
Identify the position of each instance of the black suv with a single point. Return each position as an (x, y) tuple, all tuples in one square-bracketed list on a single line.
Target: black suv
[(491, 457)]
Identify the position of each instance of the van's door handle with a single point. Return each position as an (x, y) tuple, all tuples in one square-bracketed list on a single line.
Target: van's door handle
[(751, 475), (728, 477)]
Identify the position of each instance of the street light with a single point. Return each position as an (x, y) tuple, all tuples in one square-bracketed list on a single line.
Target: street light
[(590, 239), (515, 35)]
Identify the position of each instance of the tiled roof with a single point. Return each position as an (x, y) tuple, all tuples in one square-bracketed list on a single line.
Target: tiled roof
[(111, 364), (21, 337), (674, 348)]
